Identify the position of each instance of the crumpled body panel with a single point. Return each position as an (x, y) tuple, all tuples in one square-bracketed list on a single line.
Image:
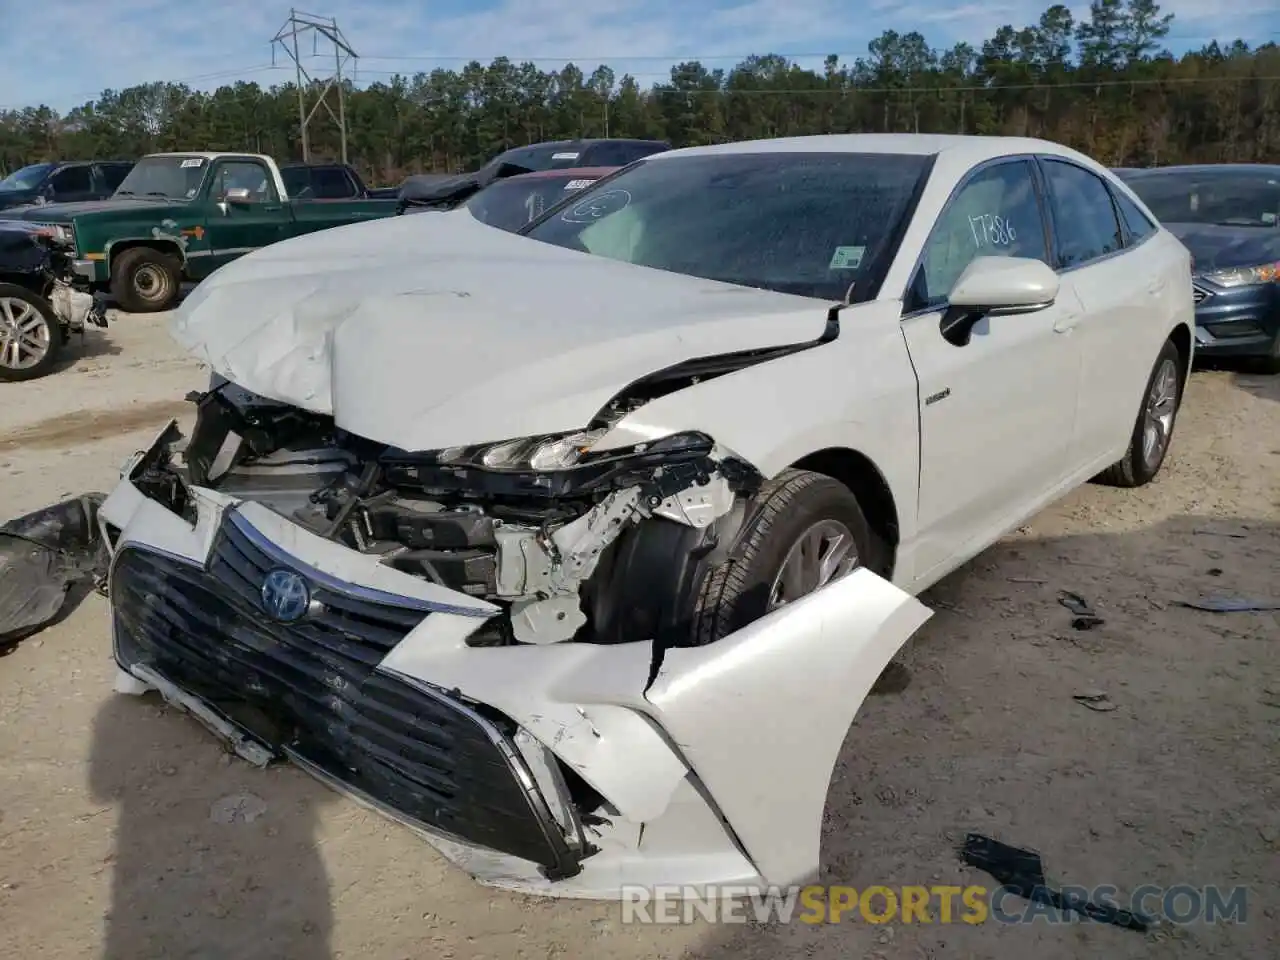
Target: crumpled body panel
[(377, 324), (43, 556), (715, 772)]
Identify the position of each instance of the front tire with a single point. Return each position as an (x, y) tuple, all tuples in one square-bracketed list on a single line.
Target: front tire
[(1153, 431), (145, 280), (801, 531), (30, 334)]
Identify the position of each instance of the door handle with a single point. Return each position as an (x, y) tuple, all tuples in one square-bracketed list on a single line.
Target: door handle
[(1066, 322)]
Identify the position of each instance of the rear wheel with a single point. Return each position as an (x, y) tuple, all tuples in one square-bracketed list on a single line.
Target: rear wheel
[(30, 334), (802, 531), (1149, 442), (145, 280)]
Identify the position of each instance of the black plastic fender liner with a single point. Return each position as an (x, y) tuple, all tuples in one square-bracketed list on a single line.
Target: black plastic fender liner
[(43, 556)]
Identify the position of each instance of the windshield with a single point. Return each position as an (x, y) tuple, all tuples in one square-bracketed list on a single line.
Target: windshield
[(28, 178), (177, 178), (802, 223), (511, 204), (1228, 197)]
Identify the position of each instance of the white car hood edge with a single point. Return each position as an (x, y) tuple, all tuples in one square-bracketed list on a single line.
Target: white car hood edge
[(429, 331)]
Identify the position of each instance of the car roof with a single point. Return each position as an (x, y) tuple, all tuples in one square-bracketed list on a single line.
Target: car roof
[(961, 148), (1211, 168)]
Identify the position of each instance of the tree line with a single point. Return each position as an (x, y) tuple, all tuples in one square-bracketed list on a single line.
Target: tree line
[(1105, 85)]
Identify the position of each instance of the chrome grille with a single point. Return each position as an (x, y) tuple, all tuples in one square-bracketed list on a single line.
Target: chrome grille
[(1199, 293), (310, 691)]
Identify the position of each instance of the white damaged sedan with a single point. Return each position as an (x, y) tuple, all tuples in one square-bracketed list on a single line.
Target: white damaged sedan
[(578, 550)]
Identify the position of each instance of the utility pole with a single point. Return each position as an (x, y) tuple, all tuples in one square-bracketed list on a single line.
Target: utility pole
[(298, 24)]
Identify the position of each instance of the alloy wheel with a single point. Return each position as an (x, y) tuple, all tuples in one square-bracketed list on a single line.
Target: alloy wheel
[(24, 334)]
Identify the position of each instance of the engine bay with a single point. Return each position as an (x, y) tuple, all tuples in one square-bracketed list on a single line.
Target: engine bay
[(603, 548)]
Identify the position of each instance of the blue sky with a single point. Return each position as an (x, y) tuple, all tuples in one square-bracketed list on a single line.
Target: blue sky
[(72, 49)]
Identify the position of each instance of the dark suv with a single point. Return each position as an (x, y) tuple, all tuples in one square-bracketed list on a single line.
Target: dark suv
[(63, 182)]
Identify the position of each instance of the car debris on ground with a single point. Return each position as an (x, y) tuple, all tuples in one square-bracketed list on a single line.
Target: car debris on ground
[(44, 557)]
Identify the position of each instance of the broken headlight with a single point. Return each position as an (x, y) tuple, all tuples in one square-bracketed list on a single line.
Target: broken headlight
[(550, 453), (62, 234)]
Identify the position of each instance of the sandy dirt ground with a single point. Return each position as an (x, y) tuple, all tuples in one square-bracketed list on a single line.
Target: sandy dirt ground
[(126, 832)]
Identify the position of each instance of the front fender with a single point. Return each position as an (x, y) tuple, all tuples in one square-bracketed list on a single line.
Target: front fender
[(752, 723), (760, 715)]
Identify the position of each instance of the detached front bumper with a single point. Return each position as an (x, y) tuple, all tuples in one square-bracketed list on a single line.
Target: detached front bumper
[(556, 769)]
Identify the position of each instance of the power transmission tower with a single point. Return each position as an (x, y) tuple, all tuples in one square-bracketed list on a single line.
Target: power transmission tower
[(298, 25)]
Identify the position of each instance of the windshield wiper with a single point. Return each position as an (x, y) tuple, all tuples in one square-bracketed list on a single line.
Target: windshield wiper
[(124, 193), (157, 193)]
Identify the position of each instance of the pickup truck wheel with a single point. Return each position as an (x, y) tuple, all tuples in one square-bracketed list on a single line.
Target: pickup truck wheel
[(1153, 430), (145, 280), (30, 334), (802, 531)]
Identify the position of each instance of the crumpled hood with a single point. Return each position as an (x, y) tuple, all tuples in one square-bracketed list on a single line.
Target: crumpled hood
[(429, 332)]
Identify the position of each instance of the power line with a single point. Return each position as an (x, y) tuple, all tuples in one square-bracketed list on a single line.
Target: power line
[(958, 88), (256, 69), (689, 57), (227, 74)]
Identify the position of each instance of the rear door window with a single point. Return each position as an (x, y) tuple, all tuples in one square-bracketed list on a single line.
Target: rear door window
[(113, 174), (1137, 224), (1083, 215), (72, 181)]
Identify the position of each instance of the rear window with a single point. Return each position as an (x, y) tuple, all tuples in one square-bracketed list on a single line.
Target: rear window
[(512, 204), (618, 154), (812, 224), (113, 174), (318, 183)]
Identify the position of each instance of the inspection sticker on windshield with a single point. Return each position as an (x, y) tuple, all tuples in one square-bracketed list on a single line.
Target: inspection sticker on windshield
[(193, 162), (847, 258), (578, 184)]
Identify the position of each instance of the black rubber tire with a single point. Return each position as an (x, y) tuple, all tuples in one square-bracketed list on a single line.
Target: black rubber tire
[(56, 336), (125, 270), (1132, 470), (736, 592)]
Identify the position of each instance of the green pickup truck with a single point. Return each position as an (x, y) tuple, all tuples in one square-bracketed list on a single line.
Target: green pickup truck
[(180, 216)]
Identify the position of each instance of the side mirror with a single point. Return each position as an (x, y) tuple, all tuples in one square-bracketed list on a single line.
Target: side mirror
[(237, 195), (997, 286)]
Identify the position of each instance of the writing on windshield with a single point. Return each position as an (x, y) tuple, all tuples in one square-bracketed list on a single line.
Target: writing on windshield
[(810, 224), (174, 178)]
